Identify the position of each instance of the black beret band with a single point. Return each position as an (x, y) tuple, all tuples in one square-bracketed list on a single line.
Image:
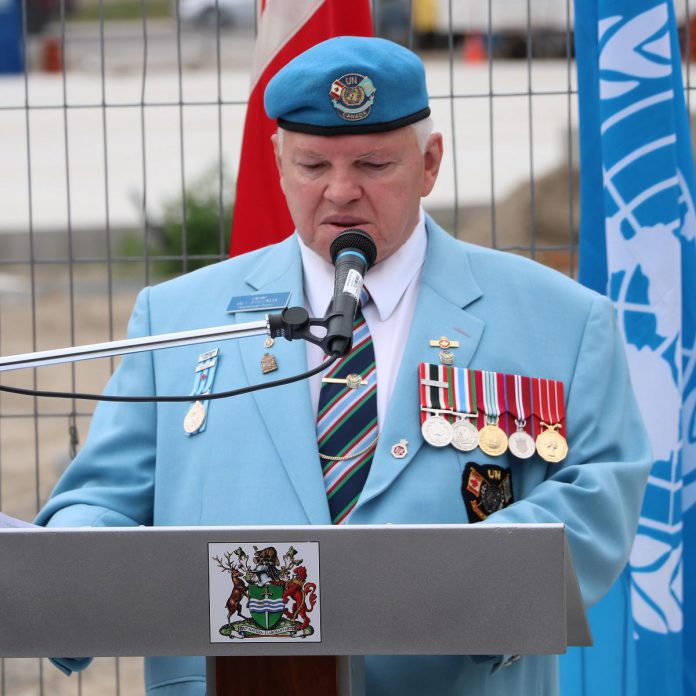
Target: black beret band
[(354, 129)]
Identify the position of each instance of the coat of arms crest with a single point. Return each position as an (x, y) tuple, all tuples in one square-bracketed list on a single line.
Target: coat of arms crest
[(271, 596)]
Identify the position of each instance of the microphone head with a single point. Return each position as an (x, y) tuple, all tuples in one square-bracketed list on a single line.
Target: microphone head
[(357, 240)]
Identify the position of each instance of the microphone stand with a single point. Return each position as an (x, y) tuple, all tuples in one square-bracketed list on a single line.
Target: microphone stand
[(131, 345), (291, 323)]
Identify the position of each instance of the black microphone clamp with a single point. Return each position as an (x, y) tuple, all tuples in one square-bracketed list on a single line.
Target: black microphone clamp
[(353, 252)]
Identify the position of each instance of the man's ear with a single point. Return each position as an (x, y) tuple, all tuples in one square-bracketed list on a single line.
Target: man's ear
[(432, 158)]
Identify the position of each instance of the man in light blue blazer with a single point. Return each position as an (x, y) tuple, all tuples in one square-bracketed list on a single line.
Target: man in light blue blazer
[(364, 159)]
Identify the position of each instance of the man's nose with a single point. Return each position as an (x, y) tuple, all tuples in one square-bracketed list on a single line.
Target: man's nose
[(342, 188)]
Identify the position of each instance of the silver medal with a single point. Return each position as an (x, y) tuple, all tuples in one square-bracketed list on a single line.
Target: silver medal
[(437, 431), (195, 417), (465, 435), (521, 444)]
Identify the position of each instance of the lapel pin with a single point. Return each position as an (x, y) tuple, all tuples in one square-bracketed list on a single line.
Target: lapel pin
[(400, 449), (446, 357), (268, 363), (444, 343)]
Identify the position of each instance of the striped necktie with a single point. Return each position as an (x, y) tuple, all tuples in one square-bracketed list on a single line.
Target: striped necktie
[(347, 421)]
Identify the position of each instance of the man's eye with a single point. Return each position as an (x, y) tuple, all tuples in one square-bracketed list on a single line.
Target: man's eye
[(376, 166), (311, 166)]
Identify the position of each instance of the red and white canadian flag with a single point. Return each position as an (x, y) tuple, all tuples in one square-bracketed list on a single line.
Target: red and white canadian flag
[(286, 28)]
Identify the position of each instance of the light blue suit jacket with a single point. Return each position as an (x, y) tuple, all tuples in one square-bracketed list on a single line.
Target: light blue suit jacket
[(257, 461)]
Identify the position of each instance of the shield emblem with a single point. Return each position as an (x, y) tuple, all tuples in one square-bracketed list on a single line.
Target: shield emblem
[(266, 604)]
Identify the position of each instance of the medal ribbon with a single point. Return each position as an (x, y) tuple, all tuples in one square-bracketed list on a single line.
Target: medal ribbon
[(463, 390), (203, 378), (558, 404), (434, 397), (548, 395), (491, 405), (423, 394), (520, 407)]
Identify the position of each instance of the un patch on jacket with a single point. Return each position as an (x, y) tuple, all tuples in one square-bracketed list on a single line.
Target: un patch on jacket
[(486, 489)]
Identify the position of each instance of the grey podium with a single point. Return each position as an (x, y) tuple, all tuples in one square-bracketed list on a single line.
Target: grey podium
[(259, 595)]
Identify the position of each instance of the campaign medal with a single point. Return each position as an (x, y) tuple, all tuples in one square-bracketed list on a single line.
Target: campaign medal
[(465, 434), (485, 489), (550, 442), (520, 442), (492, 438), (434, 398), (437, 431), (204, 375), (194, 417)]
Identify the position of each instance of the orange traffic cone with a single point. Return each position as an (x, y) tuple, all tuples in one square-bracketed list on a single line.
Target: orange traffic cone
[(51, 54), (474, 50)]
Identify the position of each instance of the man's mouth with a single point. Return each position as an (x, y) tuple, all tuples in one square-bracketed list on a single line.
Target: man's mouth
[(343, 223)]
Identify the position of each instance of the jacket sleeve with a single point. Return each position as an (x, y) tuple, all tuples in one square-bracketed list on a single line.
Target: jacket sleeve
[(111, 481), (598, 490)]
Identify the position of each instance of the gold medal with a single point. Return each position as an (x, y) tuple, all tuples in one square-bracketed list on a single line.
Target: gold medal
[(492, 440), (551, 445), (194, 418)]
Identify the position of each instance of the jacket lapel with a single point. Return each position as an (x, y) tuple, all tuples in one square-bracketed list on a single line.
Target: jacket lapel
[(447, 288), (286, 410)]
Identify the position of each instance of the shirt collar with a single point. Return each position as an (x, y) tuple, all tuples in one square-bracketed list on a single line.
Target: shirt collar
[(386, 281)]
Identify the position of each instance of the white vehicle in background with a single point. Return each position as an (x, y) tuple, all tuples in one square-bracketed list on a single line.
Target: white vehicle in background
[(207, 13), (510, 15), (513, 24)]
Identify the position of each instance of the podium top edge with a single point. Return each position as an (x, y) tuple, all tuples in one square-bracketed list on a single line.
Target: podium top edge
[(348, 529)]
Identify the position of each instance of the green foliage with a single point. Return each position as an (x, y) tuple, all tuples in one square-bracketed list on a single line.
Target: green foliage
[(187, 228), (90, 11)]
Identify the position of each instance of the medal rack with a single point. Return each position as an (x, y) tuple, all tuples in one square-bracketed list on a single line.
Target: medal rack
[(492, 411)]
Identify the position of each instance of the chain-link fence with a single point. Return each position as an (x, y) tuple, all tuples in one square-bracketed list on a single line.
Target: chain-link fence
[(120, 142)]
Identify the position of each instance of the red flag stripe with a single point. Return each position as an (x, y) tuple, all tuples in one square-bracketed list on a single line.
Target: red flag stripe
[(261, 216)]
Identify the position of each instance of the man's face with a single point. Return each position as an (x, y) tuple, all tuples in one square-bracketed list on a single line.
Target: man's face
[(372, 182)]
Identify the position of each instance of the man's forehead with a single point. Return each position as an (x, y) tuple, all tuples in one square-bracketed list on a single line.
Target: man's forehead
[(350, 145)]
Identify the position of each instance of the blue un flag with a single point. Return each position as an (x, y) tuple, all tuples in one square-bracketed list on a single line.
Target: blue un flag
[(637, 245)]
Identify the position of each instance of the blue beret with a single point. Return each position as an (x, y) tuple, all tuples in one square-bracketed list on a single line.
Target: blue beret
[(349, 85)]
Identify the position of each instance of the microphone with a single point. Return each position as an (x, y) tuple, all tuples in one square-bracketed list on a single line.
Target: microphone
[(353, 253)]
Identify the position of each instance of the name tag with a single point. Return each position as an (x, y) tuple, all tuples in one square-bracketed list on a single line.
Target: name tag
[(258, 303)]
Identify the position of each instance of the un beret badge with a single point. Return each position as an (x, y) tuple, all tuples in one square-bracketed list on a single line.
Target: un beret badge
[(353, 96)]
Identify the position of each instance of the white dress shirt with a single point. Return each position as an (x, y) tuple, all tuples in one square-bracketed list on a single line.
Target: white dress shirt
[(393, 286)]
